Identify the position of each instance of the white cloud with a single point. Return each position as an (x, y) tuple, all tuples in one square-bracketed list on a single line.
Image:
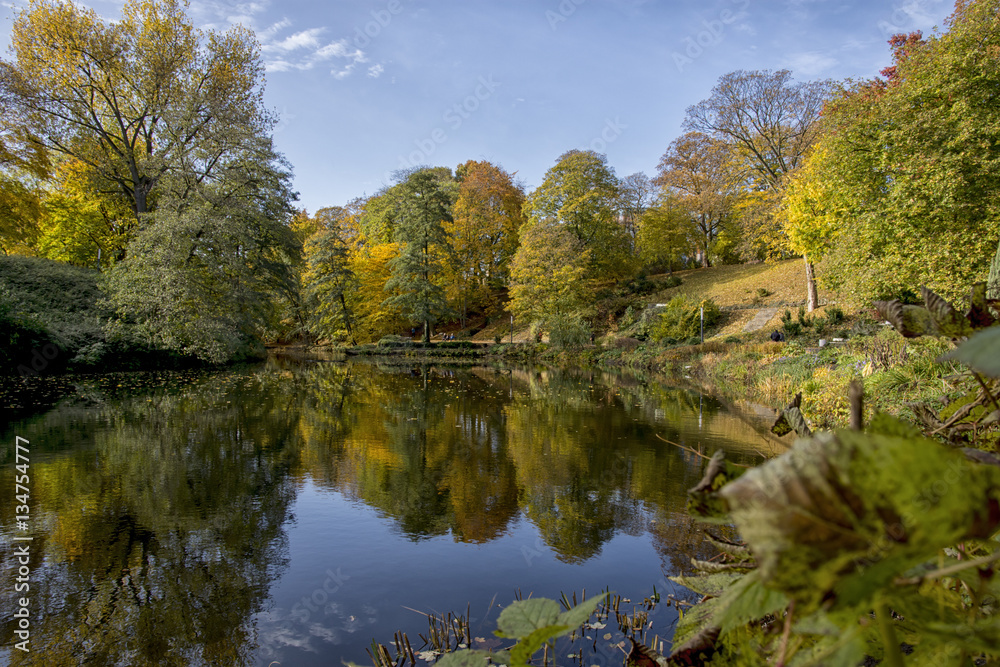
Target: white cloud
[(375, 71), (810, 63), (267, 33), (302, 50), (306, 39)]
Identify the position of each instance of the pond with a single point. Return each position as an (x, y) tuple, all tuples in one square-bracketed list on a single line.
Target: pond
[(293, 511)]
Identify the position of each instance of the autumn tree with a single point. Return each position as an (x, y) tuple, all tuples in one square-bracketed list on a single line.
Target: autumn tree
[(810, 208), (487, 215), (139, 99), (913, 164), (548, 273), (78, 222), (636, 194), (665, 232), (698, 170), (581, 193), (771, 123), (415, 282), (23, 165)]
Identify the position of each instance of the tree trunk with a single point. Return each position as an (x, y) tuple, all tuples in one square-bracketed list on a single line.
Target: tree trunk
[(347, 319), (427, 332), (812, 295)]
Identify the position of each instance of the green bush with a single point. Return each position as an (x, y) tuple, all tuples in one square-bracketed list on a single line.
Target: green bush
[(394, 341), (568, 331), (834, 315), (671, 281), (681, 319)]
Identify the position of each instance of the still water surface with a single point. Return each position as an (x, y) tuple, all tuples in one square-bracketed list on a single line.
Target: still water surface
[(292, 512)]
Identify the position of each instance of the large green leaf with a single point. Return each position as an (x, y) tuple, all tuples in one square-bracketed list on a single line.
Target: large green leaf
[(747, 600), (980, 353), (523, 617), (580, 614), (840, 515), (521, 654), (710, 585), (468, 658)]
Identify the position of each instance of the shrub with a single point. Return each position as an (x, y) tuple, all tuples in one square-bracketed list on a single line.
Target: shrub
[(763, 292), (671, 281), (628, 319), (568, 331), (834, 315), (625, 343), (394, 341), (804, 321), (681, 319)]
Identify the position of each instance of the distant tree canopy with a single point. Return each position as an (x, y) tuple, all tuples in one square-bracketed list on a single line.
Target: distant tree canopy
[(141, 146)]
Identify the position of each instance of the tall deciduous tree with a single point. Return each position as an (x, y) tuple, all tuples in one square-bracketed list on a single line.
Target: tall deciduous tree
[(425, 209), (915, 164), (772, 121), (23, 163), (484, 231), (581, 193), (140, 98), (548, 274), (665, 232), (328, 281), (636, 192), (698, 169), (201, 272)]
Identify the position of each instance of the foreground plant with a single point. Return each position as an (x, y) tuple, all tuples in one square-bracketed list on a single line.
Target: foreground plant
[(860, 545)]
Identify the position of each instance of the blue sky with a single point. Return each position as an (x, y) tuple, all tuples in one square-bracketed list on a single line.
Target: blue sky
[(364, 87)]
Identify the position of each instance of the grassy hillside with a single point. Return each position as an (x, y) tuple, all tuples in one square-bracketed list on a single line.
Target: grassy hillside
[(737, 290)]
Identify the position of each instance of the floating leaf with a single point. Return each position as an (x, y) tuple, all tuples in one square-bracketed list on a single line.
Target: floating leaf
[(980, 353), (581, 613)]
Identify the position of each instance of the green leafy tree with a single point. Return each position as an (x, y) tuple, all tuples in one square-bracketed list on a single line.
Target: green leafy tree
[(328, 281), (137, 99), (913, 160), (664, 233), (698, 170), (425, 209), (581, 192), (201, 276), (548, 274)]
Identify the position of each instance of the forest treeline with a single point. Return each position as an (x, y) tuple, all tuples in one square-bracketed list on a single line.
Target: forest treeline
[(142, 147)]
